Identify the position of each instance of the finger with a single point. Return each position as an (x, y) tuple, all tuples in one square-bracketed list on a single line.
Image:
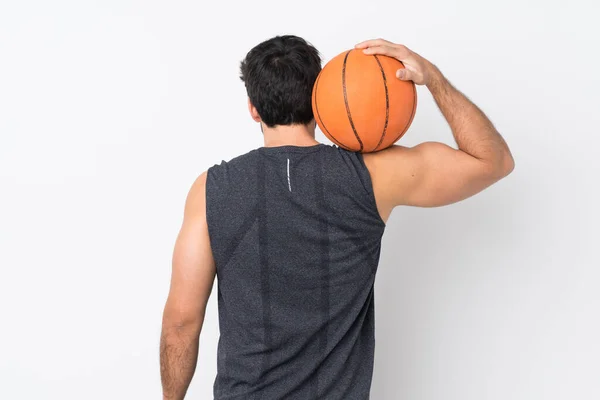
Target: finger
[(383, 50), (404, 74), (401, 52), (372, 43)]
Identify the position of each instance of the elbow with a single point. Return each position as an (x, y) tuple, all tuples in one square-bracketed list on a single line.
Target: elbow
[(508, 164), (178, 329), (501, 167), (504, 164), (179, 321)]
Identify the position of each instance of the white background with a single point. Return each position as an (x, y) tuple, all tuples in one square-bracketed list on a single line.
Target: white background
[(110, 109)]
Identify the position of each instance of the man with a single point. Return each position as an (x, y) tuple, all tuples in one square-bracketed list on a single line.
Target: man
[(293, 232)]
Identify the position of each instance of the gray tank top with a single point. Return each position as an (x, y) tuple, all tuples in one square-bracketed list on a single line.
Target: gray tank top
[(296, 237)]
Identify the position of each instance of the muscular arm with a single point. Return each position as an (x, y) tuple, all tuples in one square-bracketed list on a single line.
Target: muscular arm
[(192, 278), (474, 133), (434, 174)]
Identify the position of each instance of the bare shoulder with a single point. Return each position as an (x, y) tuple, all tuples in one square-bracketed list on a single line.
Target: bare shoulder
[(389, 168), (196, 199), (431, 174)]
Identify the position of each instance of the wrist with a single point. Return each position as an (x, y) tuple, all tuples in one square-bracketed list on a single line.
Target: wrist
[(435, 78)]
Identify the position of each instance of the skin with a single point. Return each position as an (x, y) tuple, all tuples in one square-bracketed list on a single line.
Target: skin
[(433, 174), (192, 278), (428, 175)]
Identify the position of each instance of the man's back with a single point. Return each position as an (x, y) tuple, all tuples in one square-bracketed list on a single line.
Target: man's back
[(295, 235)]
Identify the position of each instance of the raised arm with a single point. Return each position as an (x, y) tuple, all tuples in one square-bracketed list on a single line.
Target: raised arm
[(434, 174), (192, 279)]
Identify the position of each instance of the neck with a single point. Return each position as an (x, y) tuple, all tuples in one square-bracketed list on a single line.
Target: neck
[(289, 135)]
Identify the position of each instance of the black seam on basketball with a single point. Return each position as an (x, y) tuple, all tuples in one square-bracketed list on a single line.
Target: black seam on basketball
[(412, 115), (387, 103), (321, 119), (346, 101)]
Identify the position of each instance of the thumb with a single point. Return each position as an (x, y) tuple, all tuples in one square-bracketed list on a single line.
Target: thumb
[(403, 74)]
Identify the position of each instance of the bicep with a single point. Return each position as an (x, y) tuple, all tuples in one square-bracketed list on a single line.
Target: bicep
[(431, 174), (193, 267)]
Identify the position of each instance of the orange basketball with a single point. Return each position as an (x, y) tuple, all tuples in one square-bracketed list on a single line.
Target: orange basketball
[(360, 104)]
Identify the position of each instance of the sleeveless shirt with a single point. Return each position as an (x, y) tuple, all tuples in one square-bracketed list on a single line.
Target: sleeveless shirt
[(296, 237)]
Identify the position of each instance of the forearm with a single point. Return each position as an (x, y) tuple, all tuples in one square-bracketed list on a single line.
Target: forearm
[(178, 358), (473, 131)]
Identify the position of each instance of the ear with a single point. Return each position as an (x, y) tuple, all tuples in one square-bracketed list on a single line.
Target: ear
[(253, 112)]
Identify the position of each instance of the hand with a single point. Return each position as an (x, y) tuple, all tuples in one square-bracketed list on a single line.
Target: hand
[(416, 68)]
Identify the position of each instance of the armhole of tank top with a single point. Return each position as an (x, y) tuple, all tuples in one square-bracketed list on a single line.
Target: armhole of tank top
[(368, 184), (207, 204)]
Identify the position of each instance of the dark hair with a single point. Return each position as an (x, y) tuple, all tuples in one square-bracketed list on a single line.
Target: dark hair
[(279, 75)]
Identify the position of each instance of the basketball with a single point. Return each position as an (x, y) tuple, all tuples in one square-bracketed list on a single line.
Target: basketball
[(360, 104)]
